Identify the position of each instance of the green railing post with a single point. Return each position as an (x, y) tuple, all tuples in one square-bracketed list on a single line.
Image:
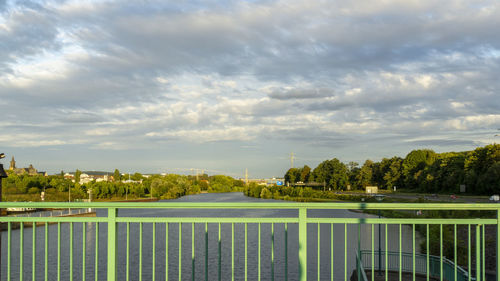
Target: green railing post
[(112, 238), (303, 244)]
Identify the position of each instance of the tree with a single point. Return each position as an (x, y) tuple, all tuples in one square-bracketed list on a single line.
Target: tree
[(305, 173), (77, 176), (331, 172), (116, 175)]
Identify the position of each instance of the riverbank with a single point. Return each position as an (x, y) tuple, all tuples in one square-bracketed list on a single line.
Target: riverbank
[(17, 225)]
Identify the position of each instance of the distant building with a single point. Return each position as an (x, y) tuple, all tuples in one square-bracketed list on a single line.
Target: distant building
[(30, 170), (371, 189)]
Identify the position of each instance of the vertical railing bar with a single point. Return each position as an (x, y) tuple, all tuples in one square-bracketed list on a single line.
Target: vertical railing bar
[(206, 251), (246, 252), (180, 252), (427, 253), (498, 245), (331, 251), (70, 251), (192, 252), (112, 243), (400, 253), (21, 250), (166, 251), (468, 254), (318, 245), (478, 252), (345, 251), (232, 251), (153, 265), (373, 251), (358, 259), (96, 269), (140, 251), (413, 251), (386, 256), (484, 253), (33, 252), (220, 254), (46, 259), (258, 254), (455, 249), (84, 253), (58, 251), (9, 245), (441, 252), (286, 251), (272, 251), (127, 262), (302, 244)]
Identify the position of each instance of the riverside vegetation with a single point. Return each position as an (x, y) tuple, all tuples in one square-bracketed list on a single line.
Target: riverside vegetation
[(57, 188)]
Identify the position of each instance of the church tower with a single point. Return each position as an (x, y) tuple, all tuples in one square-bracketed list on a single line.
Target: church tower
[(12, 164)]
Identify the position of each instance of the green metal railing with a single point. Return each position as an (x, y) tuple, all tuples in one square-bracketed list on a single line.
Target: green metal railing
[(420, 265), (304, 221)]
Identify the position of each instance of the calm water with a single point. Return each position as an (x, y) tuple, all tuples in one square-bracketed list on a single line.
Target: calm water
[(199, 245)]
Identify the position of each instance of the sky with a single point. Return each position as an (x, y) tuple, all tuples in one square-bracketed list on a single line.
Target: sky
[(167, 86)]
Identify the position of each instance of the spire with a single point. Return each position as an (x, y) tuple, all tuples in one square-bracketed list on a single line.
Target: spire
[(12, 164)]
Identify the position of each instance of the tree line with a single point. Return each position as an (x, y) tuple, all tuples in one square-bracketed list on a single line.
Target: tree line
[(57, 188), (422, 170)]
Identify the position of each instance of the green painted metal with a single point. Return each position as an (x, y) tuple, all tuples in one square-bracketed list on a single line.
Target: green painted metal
[(272, 252), (166, 251), (258, 254), (428, 253), (478, 252), (345, 252), (302, 244), (112, 238), (319, 251), (21, 251), (206, 251), (9, 249), (232, 251), (71, 251), (192, 252), (33, 253), (373, 251), (153, 262), (127, 262), (413, 250), (220, 253), (140, 251), (455, 250), (331, 252), (469, 253), (246, 251), (400, 254), (112, 220), (46, 252), (96, 265), (180, 252), (58, 251), (386, 256), (441, 252), (84, 249)]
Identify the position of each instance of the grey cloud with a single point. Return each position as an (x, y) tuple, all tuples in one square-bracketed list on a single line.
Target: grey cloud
[(301, 94)]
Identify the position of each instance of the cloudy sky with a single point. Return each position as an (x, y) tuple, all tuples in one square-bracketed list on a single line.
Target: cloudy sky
[(165, 86)]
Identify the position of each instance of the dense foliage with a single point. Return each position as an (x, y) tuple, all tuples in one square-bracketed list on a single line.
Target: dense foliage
[(421, 170), (57, 188)]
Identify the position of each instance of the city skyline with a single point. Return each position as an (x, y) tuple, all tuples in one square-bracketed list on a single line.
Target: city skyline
[(157, 87)]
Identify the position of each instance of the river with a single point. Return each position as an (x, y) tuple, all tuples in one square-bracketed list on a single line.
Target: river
[(279, 256)]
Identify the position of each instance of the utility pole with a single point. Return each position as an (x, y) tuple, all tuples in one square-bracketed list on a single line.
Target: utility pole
[(292, 157)]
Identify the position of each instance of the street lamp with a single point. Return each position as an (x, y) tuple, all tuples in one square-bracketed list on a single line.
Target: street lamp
[(379, 198)]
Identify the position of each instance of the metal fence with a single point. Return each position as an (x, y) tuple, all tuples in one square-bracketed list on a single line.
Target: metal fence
[(315, 263)]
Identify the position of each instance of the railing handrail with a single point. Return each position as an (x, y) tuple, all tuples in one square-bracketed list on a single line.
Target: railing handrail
[(259, 205)]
